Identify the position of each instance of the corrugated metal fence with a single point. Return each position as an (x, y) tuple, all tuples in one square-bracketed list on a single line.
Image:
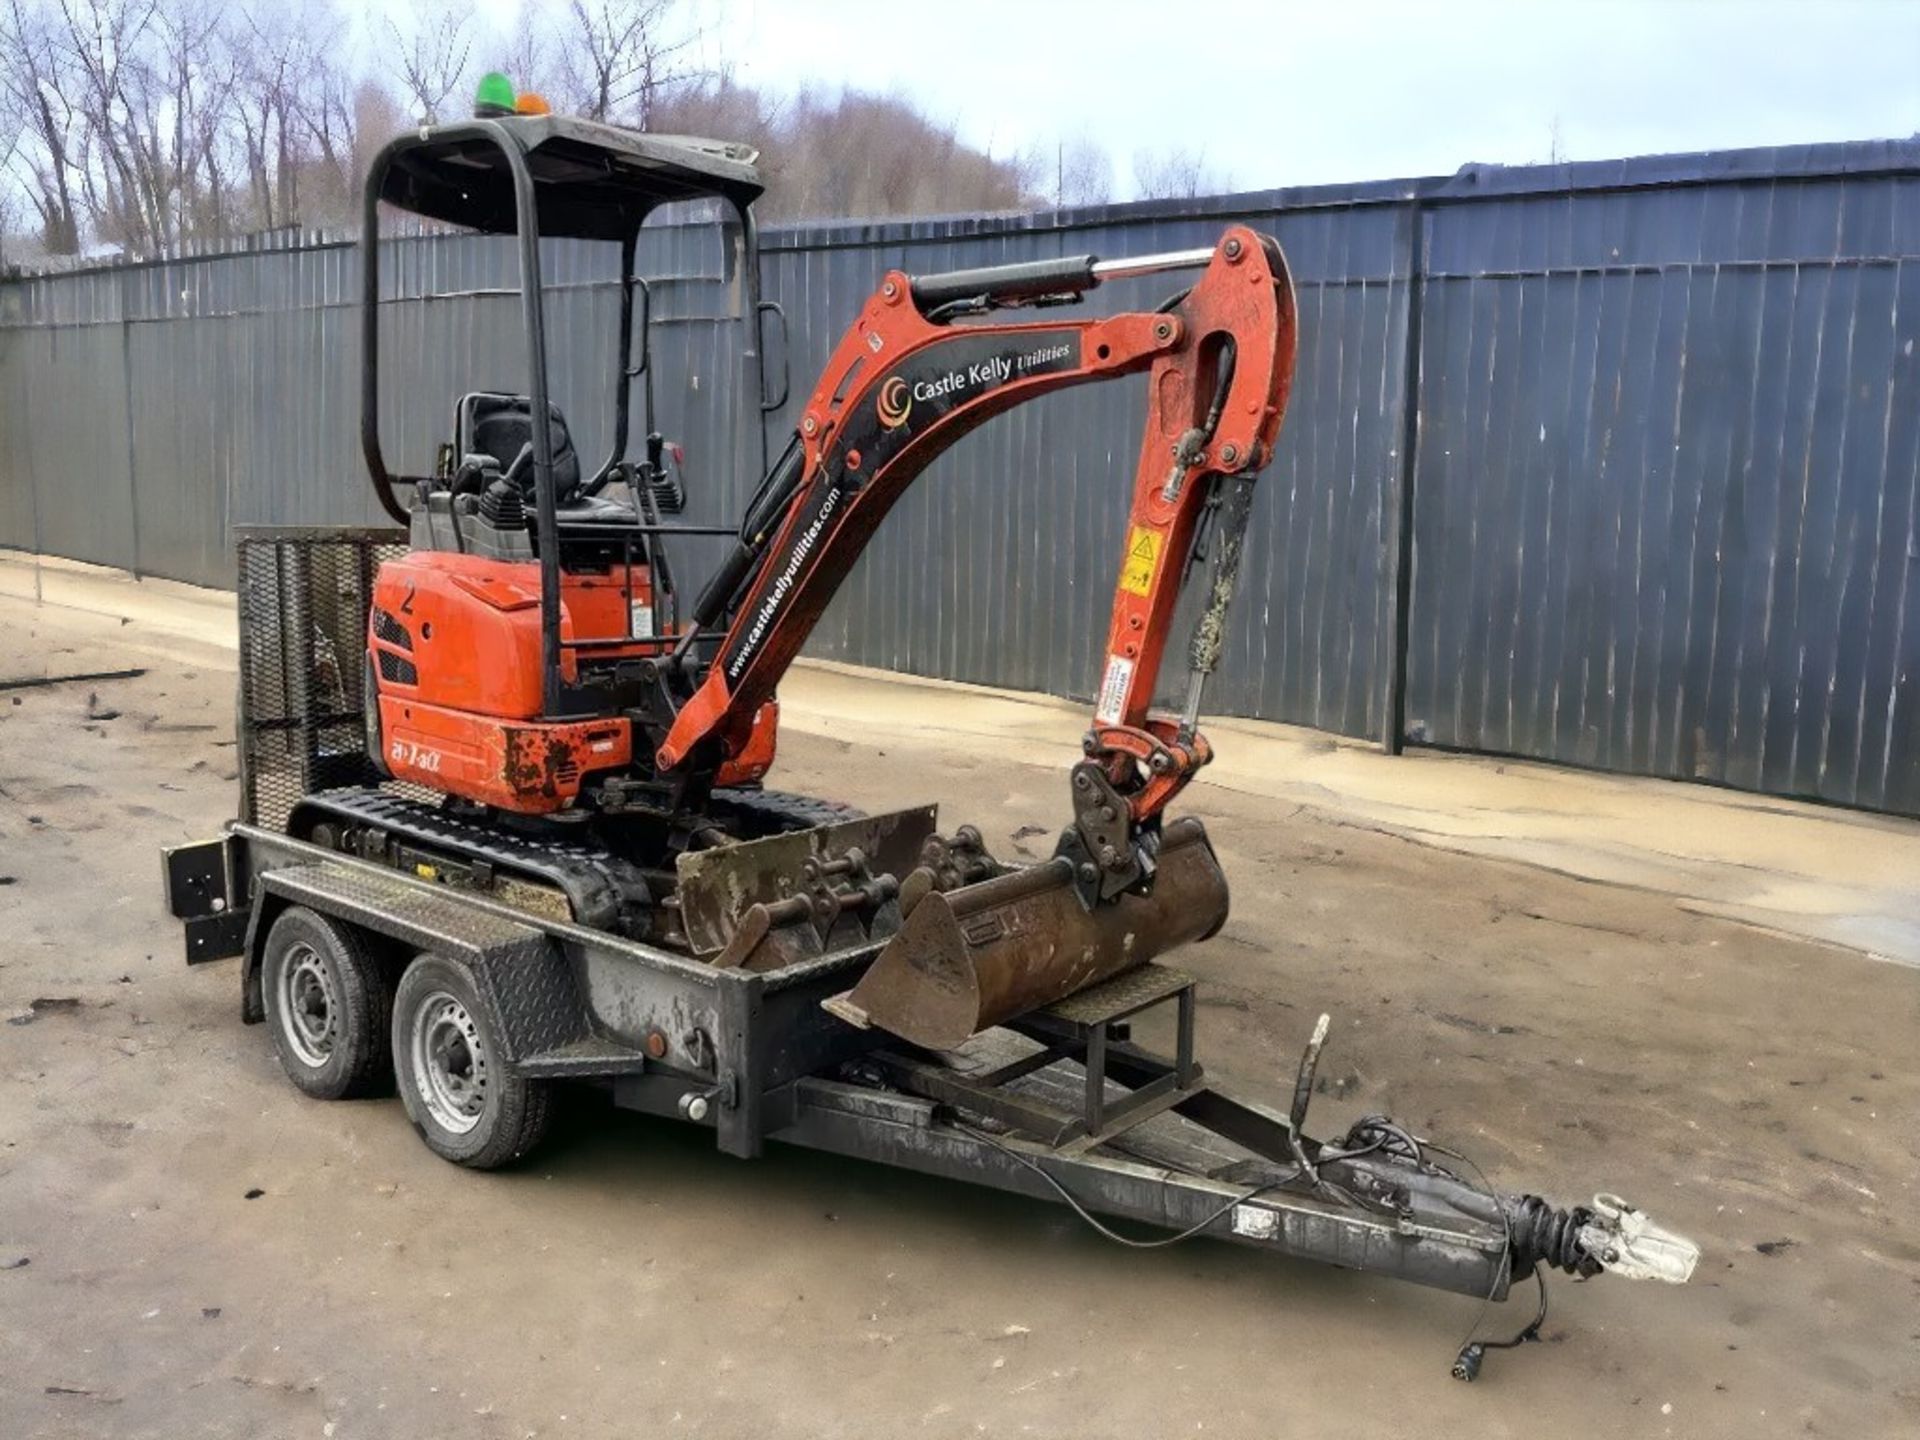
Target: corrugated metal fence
[(1612, 464)]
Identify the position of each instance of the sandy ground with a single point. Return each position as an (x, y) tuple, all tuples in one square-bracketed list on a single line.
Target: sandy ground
[(1752, 1090)]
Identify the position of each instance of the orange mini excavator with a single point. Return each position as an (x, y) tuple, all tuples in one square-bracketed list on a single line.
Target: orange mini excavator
[(592, 752)]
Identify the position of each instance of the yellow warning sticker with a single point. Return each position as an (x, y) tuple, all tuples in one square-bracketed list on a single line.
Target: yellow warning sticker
[(1143, 556)]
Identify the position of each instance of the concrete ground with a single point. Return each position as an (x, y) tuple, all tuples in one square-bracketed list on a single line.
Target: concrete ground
[(1519, 961)]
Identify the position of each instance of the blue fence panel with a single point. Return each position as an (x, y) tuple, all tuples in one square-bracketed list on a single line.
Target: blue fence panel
[(1663, 503)]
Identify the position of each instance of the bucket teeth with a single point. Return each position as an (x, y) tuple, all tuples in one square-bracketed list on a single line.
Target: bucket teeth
[(966, 960)]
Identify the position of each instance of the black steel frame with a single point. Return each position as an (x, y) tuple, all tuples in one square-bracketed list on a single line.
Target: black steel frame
[(775, 1066)]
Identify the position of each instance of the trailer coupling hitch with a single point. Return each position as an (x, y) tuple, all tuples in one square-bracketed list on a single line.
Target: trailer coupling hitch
[(1612, 1237), (1628, 1244), (1609, 1237)]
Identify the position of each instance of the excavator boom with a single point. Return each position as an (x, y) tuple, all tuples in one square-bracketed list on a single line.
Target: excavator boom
[(917, 370)]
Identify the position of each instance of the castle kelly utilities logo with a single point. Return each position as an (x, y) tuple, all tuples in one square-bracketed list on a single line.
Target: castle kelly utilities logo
[(895, 402)]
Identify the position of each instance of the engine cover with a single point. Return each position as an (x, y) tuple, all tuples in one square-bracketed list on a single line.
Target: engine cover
[(455, 645)]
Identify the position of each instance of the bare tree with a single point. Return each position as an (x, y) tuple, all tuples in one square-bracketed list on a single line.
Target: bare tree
[(9, 228), (329, 113), (1076, 171), (276, 49), (197, 84), (431, 63), (621, 59), (377, 118), (155, 95), (871, 155), (105, 41), (145, 123), (36, 76), (528, 59), (348, 120), (1175, 174), (11, 130)]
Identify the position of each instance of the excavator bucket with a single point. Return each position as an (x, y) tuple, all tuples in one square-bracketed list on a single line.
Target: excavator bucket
[(968, 959)]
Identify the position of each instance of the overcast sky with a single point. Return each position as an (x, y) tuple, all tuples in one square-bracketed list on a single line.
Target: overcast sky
[(1291, 92)]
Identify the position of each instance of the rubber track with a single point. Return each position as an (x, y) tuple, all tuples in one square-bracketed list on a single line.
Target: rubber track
[(601, 888), (599, 885)]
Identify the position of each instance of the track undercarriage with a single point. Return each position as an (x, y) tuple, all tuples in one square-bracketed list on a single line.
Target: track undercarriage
[(642, 878)]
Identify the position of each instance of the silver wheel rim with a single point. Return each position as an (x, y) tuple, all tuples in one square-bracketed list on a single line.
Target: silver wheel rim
[(449, 1063), (309, 1008)]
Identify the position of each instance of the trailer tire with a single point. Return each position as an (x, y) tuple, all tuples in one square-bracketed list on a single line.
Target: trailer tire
[(469, 1105), (328, 1007)]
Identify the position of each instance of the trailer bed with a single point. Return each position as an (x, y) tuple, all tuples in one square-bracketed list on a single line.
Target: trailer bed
[(1060, 1105)]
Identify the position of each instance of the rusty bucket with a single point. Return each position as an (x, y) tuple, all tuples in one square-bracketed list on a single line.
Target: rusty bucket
[(968, 959)]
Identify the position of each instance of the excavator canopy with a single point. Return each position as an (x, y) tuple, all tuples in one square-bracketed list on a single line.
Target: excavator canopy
[(592, 181)]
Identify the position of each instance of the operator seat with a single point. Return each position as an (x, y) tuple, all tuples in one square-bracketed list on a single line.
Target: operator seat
[(501, 425), (490, 422)]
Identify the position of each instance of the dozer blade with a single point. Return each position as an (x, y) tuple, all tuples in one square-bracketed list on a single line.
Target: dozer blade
[(719, 888), (968, 959)]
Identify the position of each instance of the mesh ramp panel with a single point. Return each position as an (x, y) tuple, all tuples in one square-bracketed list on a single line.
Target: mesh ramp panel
[(304, 596)]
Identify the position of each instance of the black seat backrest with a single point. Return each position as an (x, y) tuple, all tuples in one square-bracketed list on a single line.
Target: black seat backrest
[(490, 423)]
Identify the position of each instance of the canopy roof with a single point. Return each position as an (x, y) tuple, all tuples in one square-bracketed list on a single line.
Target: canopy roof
[(593, 181)]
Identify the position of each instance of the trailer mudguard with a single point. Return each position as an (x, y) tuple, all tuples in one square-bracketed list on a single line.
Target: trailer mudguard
[(524, 978)]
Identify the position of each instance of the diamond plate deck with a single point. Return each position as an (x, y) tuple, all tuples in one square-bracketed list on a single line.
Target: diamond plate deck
[(1121, 996)]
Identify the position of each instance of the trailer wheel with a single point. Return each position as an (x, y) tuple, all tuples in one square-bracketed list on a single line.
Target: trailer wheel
[(328, 1007), (468, 1104)]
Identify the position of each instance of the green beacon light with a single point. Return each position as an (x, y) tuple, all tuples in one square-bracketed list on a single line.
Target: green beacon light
[(494, 96)]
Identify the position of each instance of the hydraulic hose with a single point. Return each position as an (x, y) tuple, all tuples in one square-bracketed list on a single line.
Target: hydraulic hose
[(763, 513)]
